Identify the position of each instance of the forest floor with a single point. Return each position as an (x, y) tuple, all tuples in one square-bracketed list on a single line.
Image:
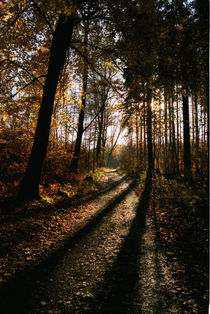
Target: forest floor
[(115, 248)]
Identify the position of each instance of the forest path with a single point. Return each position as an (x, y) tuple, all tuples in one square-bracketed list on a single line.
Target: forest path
[(115, 267)]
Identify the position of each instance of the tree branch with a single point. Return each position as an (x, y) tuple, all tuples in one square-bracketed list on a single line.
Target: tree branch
[(18, 15), (44, 16), (24, 69), (29, 83), (105, 49), (102, 106), (94, 69), (115, 143)]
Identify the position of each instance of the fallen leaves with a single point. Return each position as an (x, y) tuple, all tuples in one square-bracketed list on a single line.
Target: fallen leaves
[(28, 238)]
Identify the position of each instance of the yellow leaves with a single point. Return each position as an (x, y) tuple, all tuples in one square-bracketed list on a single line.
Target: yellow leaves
[(79, 101), (184, 92), (8, 10), (179, 27), (109, 109), (5, 115), (59, 7), (80, 104), (6, 17), (43, 49), (109, 62), (118, 106)]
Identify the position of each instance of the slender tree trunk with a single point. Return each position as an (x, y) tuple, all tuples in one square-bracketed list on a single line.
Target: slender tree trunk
[(177, 131), (196, 134), (75, 159), (29, 186), (171, 159), (203, 164), (104, 135), (160, 139), (187, 153), (94, 149), (145, 138), (173, 139), (140, 143), (66, 130), (113, 146), (166, 134), (99, 140), (137, 142), (175, 157), (149, 131)]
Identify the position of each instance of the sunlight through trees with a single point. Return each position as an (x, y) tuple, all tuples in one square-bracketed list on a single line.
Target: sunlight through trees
[(102, 84)]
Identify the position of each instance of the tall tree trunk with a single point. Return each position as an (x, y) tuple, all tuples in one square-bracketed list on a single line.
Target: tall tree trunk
[(177, 131), (140, 143), (166, 133), (149, 131), (187, 153), (145, 138), (137, 142), (171, 159), (160, 138), (29, 186), (196, 134), (104, 136), (175, 157), (75, 159), (94, 148), (99, 140)]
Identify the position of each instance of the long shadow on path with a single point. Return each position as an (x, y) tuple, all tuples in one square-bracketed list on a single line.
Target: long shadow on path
[(22, 287), (49, 209), (118, 292)]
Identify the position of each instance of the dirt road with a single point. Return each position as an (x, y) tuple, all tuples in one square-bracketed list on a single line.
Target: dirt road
[(114, 266)]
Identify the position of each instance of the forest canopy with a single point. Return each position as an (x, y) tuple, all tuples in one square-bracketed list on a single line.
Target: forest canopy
[(86, 84)]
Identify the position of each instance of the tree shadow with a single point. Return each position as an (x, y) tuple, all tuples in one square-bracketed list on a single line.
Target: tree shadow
[(9, 205), (21, 287), (120, 284), (191, 280), (123, 288)]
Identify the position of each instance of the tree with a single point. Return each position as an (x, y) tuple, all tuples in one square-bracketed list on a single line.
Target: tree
[(29, 186), (75, 159)]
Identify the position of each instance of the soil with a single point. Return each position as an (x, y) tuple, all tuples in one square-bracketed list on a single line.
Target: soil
[(110, 261)]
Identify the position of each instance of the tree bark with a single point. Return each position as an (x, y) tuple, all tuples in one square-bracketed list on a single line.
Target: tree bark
[(29, 185)]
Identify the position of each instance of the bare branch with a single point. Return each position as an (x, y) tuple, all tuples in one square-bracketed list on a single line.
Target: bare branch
[(24, 69), (14, 19), (102, 106), (44, 16), (105, 49), (29, 83), (115, 143), (94, 69)]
